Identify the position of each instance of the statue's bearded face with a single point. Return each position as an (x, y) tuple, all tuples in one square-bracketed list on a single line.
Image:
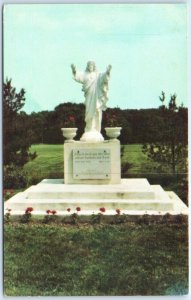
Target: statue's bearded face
[(91, 66)]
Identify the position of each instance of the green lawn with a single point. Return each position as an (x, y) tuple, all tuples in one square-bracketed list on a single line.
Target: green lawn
[(139, 161), (126, 259), (49, 162)]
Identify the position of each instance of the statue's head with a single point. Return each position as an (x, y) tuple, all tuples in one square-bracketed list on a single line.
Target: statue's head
[(91, 67)]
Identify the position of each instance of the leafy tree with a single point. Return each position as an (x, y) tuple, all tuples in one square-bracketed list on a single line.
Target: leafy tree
[(170, 145), (67, 115), (16, 134), (12, 101), (39, 126), (162, 99)]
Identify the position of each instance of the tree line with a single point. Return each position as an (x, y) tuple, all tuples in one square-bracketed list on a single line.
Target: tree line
[(138, 125)]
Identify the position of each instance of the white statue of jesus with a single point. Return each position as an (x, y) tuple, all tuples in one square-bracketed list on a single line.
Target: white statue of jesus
[(95, 88)]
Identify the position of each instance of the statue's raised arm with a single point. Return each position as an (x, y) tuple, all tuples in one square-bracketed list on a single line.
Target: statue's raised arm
[(109, 70), (73, 69)]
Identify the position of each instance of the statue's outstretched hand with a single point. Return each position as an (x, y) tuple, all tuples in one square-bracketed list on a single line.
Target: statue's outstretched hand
[(109, 69), (73, 69)]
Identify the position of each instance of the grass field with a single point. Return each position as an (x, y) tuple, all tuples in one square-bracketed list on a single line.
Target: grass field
[(126, 259), (134, 155), (49, 162)]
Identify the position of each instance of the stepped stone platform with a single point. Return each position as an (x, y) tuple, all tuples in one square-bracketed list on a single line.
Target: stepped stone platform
[(131, 196)]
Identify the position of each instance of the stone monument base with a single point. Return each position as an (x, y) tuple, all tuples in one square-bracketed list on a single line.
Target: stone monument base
[(92, 163), (131, 196)]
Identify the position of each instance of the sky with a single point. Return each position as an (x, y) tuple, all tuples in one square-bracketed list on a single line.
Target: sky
[(146, 44)]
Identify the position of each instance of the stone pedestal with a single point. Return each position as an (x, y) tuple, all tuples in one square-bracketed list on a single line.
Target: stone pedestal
[(92, 163)]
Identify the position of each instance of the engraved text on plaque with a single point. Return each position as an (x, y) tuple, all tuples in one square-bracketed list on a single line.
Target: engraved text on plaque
[(91, 163)]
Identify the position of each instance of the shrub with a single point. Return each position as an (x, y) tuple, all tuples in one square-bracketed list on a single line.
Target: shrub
[(35, 178), (50, 216), (7, 215), (7, 193), (27, 215), (14, 177), (181, 219), (96, 219), (74, 219), (125, 166)]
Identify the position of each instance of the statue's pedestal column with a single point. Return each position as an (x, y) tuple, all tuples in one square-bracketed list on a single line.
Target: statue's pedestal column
[(92, 163), (90, 137)]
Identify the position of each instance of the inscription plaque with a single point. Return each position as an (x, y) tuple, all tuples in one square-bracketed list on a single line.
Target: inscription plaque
[(91, 163)]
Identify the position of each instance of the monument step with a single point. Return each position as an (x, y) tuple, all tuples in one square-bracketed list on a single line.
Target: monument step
[(90, 194), (127, 189), (89, 204)]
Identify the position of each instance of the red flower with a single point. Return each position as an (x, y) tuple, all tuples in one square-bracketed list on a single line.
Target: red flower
[(78, 208), (54, 212), (11, 191), (102, 209), (118, 211), (68, 209), (48, 211), (71, 118), (28, 210)]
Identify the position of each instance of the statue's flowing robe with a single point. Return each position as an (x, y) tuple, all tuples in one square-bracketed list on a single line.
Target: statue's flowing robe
[(95, 88)]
